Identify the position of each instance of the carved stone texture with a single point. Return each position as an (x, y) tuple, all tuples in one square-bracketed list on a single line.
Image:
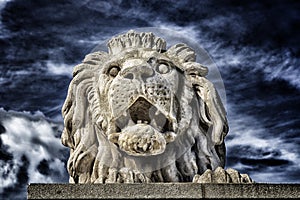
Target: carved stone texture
[(144, 113), (220, 175)]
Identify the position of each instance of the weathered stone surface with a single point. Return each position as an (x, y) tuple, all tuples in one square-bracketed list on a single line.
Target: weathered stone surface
[(257, 190), (143, 113), (162, 191)]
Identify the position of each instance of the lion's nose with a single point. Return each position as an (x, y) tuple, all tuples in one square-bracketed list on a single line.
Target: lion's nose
[(138, 72)]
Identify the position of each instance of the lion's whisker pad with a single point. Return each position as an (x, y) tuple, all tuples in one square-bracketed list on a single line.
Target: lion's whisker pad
[(144, 113)]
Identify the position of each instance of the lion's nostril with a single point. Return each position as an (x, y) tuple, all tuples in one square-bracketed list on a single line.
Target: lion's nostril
[(146, 72), (129, 76)]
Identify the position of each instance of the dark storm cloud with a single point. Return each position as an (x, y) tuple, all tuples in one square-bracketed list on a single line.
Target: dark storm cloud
[(273, 168)]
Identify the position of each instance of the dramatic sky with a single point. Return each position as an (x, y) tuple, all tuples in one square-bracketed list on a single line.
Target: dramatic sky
[(253, 43)]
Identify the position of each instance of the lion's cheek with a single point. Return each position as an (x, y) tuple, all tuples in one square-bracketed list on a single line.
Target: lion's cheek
[(141, 140)]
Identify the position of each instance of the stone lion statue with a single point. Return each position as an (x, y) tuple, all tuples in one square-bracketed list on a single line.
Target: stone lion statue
[(143, 113)]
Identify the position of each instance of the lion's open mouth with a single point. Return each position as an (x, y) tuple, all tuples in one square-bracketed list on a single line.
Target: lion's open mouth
[(143, 112), (143, 129)]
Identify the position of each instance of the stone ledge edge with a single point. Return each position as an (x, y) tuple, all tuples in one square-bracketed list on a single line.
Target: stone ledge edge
[(161, 191)]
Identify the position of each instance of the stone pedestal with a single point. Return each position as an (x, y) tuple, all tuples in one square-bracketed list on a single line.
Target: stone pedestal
[(162, 191)]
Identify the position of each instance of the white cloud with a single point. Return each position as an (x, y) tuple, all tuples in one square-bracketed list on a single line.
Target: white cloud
[(34, 138), (8, 170), (59, 68)]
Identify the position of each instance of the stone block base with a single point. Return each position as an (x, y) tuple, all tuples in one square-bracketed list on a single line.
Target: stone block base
[(162, 191)]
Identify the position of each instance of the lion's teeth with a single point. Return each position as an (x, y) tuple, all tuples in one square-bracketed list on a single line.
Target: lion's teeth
[(145, 147), (146, 122), (139, 121)]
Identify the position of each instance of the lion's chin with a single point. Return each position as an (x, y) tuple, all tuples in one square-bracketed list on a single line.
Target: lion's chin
[(142, 140)]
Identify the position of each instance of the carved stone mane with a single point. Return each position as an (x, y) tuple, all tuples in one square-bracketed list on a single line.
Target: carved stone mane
[(144, 113)]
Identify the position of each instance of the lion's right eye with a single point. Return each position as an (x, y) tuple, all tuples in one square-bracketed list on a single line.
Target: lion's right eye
[(163, 68), (113, 71)]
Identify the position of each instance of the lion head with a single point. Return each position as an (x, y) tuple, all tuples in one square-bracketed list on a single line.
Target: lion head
[(142, 113)]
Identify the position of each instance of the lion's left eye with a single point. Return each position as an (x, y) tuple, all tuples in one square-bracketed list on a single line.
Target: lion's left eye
[(163, 68), (113, 71)]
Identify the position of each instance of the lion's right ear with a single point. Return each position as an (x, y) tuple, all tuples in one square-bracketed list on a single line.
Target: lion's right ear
[(81, 97)]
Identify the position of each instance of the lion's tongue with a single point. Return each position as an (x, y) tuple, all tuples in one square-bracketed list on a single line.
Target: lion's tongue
[(141, 140)]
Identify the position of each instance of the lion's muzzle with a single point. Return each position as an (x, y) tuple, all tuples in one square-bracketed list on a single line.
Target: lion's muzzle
[(141, 140), (143, 130)]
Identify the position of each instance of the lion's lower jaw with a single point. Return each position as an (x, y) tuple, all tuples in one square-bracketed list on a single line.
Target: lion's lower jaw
[(142, 140)]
